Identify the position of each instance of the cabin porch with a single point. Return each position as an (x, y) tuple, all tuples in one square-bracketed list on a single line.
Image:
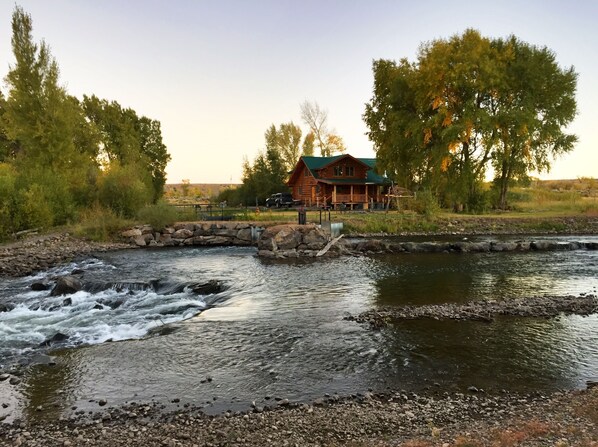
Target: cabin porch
[(351, 197)]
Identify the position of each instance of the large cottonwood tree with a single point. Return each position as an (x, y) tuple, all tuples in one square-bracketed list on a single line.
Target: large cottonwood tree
[(467, 103)]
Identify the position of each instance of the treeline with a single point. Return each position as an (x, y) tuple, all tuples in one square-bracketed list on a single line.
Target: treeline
[(468, 105), (284, 145), (59, 155)]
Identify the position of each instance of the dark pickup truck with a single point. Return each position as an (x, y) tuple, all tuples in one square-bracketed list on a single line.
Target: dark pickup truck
[(281, 200)]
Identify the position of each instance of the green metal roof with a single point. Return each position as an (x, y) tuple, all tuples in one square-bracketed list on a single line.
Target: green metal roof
[(319, 162), (314, 163)]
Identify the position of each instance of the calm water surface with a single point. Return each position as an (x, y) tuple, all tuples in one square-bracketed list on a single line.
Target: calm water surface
[(278, 328)]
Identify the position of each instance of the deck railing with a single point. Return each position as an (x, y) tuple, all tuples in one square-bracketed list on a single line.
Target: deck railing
[(348, 198)]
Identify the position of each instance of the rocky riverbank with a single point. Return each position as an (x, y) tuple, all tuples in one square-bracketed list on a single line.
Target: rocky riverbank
[(373, 245), (38, 253), (391, 419), (538, 307)]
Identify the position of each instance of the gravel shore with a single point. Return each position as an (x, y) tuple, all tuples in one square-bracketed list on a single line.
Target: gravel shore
[(394, 419), (545, 306)]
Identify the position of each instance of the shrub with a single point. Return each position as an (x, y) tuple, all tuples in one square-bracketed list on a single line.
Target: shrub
[(7, 203), (123, 190), (100, 224), (55, 203), (480, 201), (425, 203), (33, 210), (159, 215)]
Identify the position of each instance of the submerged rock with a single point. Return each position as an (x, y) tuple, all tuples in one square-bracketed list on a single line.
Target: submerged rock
[(66, 285), (39, 286), (209, 288), (56, 338), (5, 308)]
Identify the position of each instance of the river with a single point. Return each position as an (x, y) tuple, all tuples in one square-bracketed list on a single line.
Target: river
[(277, 329)]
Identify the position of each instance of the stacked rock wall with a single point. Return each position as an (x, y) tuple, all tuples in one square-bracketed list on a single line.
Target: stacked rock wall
[(194, 233)]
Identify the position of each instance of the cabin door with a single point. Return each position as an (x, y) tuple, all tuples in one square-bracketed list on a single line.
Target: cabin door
[(313, 195)]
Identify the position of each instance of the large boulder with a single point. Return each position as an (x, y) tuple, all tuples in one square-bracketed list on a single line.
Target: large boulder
[(315, 238), (134, 232), (244, 234), (266, 240), (287, 238), (66, 285), (139, 241), (183, 233)]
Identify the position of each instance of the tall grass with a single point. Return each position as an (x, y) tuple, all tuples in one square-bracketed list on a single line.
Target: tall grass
[(100, 224), (391, 223), (159, 215), (552, 202)]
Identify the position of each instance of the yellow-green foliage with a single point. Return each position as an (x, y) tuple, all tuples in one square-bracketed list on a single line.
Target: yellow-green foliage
[(100, 224), (123, 190), (159, 215), (541, 199), (34, 210), (7, 194), (424, 203)]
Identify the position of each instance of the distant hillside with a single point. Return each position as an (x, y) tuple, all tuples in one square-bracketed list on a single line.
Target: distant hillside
[(196, 191), (586, 186)]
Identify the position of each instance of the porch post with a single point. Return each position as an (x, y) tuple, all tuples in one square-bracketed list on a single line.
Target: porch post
[(334, 195), (351, 193)]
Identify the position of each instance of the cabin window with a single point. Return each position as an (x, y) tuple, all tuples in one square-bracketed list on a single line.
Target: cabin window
[(306, 172), (338, 171), (349, 171)]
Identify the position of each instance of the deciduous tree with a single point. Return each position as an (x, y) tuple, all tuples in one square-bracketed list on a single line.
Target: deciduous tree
[(316, 119), (286, 139), (536, 101), (469, 102)]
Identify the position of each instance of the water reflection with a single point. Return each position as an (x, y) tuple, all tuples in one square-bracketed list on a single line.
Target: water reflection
[(418, 279)]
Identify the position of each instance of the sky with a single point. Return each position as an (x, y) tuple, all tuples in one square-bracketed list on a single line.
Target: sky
[(218, 73)]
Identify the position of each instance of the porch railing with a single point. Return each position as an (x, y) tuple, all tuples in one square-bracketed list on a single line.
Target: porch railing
[(348, 198)]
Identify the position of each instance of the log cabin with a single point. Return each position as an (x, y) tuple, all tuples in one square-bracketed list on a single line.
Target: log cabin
[(341, 181)]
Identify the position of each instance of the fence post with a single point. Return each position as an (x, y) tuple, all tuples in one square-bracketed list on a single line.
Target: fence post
[(302, 216)]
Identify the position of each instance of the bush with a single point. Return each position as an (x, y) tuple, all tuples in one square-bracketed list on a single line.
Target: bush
[(33, 210), (100, 224), (425, 203), (159, 215), (7, 201), (123, 190), (480, 201), (43, 199)]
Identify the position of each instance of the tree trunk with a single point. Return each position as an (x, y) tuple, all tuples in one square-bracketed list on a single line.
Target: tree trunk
[(504, 185)]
